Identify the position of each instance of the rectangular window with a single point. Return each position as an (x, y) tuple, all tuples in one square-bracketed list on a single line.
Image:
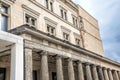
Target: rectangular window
[(30, 20), (50, 30), (54, 76), (47, 5), (75, 23), (77, 41), (2, 73), (4, 18), (34, 75), (51, 6), (63, 14), (66, 36)]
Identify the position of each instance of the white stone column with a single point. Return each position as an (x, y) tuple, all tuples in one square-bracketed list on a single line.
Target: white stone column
[(105, 73), (95, 73), (44, 66), (115, 75), (71, 74), (88, 71), (59, 68), (80, 71), (0, 14), (28, 64), (110, 74), (119, 74), (17, 63), (100, 72)]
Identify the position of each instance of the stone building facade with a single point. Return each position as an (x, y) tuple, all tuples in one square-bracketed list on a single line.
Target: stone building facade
[(56, 40)]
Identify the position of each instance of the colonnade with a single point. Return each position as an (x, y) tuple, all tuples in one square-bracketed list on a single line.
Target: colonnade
[(89, 72)]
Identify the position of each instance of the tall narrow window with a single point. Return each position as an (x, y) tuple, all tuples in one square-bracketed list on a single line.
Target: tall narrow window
[(51, 6), (75, 23), (2, 73), (4, 18), (47, 5), (63, 14)]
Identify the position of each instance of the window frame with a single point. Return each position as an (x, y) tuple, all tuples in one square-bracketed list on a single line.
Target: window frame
[(63, 14), (30, 20), (50, 29), (67, 31), (77, 36), (49, 6), (74, 21), (7, 14)]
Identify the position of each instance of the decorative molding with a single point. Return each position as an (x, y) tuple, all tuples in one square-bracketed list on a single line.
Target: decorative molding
[(30, 10), (64, 29), (50, 22)]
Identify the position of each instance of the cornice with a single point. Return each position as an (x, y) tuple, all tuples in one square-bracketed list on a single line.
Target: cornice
[(31, 10), (30, 30)]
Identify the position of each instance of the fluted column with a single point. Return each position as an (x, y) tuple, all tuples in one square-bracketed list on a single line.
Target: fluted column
[(100, 72), (71, 70), (88, 71), (80, 71), (110, 74), (28, 64), (95, 73), (115, 75), (0, 15), (59, 68), (119, 74), (105, 74), (44, 66)]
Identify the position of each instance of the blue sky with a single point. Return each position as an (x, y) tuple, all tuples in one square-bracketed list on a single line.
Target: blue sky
[(107, 12)]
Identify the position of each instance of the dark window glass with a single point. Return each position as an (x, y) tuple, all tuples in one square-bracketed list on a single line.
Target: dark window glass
[(47, 6), (2, 73), (54, 76), (4, 9), (73, 21), (27, 19), (51, 6), (52, 30), (4, 23), (62, 13), (34, 75), (33, 22), (48, 28), (76, 23), (65, 15), (66, 36)]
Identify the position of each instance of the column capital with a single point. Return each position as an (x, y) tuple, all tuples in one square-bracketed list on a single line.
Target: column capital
[(87, 63), (78, 61), (43, 52), (93, 65), (108, 69), (58, 56), (104, 68), (69, 59), (99, 66)]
